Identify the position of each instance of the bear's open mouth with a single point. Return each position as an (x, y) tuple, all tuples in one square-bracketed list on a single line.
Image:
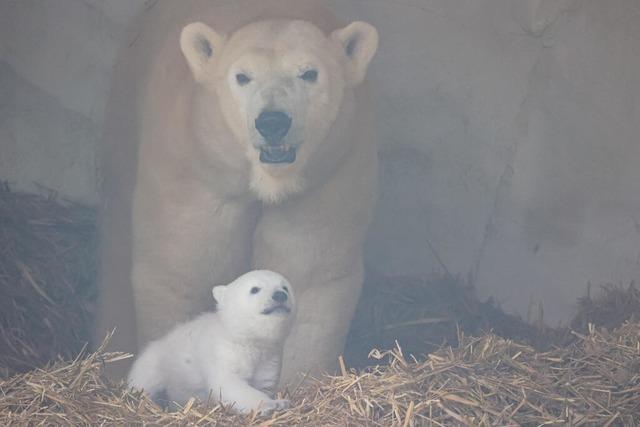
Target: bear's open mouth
[(277, 309), (281, 153)]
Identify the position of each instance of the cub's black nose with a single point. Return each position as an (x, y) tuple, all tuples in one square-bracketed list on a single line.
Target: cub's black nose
[(279, 296), (273, 125)]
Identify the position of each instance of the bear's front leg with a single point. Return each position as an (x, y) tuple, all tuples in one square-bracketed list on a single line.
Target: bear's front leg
[(324, 265), (182, 246), (325, 310)]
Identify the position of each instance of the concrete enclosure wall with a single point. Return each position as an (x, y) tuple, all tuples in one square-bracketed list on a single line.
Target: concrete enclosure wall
[(510, 132)]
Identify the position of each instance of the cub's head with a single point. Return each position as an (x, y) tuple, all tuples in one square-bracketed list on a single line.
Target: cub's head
[(280, 86), (258, 305)]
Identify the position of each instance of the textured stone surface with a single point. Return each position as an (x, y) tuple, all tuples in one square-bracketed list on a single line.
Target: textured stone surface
[(43, 143)]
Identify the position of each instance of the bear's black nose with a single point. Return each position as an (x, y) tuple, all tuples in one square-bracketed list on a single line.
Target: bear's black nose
[(273, 125), (279, 296)]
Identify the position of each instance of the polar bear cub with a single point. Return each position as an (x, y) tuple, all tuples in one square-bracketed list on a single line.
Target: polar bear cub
[(232, 355)]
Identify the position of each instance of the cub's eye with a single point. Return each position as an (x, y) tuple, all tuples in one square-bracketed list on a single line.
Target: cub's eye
[(309, 76), (242, 79), (255, 290), (285, 289)]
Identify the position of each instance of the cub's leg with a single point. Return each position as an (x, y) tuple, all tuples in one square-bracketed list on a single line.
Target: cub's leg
[(147, 374), (244, 398)]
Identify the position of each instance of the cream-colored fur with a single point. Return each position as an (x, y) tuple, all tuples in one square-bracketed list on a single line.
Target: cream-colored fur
[(188, 199)]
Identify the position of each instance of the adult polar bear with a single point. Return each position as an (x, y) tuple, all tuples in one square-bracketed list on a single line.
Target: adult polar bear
[(238, 138)]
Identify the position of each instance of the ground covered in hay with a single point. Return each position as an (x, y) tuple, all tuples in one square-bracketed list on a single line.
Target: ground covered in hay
[(500, 371), (485, 381), (422, 315)]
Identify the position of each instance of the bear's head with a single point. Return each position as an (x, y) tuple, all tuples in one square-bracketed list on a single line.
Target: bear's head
[(280, 86), (257, 306)]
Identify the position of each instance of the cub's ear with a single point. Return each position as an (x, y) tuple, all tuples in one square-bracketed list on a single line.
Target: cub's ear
[(218, 293), (199, 44), (359, 41)]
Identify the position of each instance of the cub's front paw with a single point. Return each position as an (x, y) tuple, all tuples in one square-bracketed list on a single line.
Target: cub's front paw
[(267, 408)]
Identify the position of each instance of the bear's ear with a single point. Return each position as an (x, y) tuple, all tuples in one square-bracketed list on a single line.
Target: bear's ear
[(199, 43), (359, 41), (218, 293)]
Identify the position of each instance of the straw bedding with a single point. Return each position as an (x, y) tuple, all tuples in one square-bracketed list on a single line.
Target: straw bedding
[(424, 314), (486, 381), (510, 373)]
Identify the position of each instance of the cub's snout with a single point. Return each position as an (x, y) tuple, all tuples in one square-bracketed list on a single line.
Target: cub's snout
[(280, 302), (279, 296)]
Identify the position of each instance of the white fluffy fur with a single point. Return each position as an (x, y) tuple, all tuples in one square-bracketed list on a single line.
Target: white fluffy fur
[(233, 355), (187, 201)]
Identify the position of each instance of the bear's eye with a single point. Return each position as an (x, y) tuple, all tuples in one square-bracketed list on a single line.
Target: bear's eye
[(309, 76), (242, 79), (285, 289), (255, 290)]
